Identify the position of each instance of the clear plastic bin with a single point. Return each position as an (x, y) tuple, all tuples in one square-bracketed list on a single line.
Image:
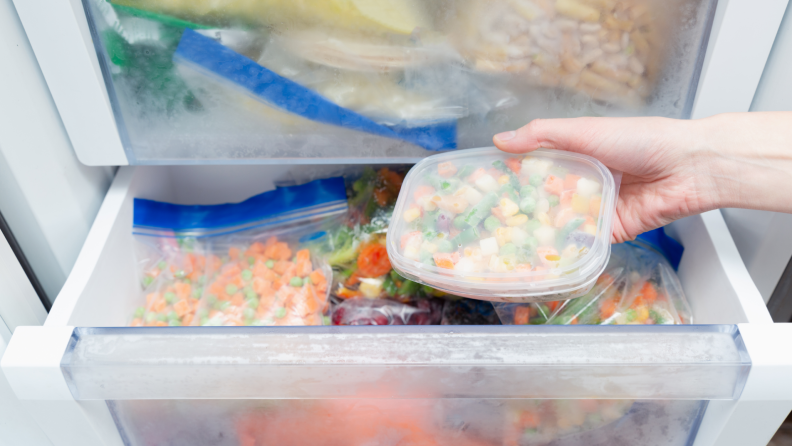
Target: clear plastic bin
[(393, 80)]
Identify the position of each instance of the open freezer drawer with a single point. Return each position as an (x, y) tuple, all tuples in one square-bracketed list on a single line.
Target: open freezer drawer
[(105, 384)]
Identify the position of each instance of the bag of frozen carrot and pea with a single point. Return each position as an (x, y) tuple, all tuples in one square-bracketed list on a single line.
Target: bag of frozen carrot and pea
[(246, 263)]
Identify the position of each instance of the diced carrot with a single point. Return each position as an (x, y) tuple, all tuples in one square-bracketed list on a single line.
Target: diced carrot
[(570, 182), (607, 308), (317, 277), (260, 269), (159, 305), (233, 252), (183, 290), (194, 276), (525, 180), (563, 217), (150, 298), (494, 173), (373, 261), (345, 293), (181, 307), (303, 268), (391, 180), (277, 284), (137, 322), (187, 319), (160, 324), (590, 221), (573, 321), (281, 266), (237, 300), (303, 255), (514, 165), (649, 293), (594, 205), (566, 197), (446, 260), (521, 315), (382, 196), (447, 169), (410, 237), (230, 270), (478, 173), (554, 185), (548, 255), (262, 287), (529, 419), (422, 191)]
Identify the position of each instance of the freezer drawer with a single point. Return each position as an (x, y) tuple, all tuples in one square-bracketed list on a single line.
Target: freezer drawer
[(278, 81), (448, 385)]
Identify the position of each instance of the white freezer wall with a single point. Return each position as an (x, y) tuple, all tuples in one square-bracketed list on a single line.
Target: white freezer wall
[(763, 238), (47, 197)]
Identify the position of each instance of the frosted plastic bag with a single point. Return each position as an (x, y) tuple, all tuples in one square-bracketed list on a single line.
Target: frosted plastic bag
[(638, 287), (463, 311), (247, 263), (362, 311)]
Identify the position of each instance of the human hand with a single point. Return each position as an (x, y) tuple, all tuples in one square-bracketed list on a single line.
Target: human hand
[(675, 168)]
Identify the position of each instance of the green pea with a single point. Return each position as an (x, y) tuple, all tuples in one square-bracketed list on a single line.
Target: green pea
[(139, 312), (211, 299), (231, 289), (532, 226), (162, 317), (326, 320), (554, 200), (527, 190), (631, 315), (465, 171), (151, 317), (252, 303), (202, 280), (174, 323), (247, 275), (492, 223), (307, 281), (508, 249), (296, 282), (426, 257), (250, 294), (280, 313), (251, 260), (445, 245), (204, 320), (172, 315), (535, 180), (527, 205), (169, 297), (223, 305), (203, 312), (249, 313), (162, 265), (197, 292), (179, 274), (148, 280), (459, 222), (427, 290), (500, 165), (270, 263)]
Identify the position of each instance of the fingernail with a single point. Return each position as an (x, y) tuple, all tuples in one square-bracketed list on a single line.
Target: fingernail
[(505, 136)]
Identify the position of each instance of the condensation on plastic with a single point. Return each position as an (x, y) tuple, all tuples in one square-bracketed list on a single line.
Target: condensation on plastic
[(571, 277), (442, 422), (363, 311), (639, 286), (628, 362), (489, 65)]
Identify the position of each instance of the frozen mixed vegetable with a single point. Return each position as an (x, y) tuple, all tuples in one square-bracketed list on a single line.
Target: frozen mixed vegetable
[(638, 287)]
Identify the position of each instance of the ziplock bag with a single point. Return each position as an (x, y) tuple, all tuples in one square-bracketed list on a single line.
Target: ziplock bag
[(217, 67), (362, 311), (638, 286), (247, 263)]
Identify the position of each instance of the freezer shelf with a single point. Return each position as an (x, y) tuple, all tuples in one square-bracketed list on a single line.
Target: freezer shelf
[(457, 374), (389, 80)]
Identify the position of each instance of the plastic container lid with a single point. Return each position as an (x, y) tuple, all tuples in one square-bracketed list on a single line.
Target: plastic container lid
[(489, 225)]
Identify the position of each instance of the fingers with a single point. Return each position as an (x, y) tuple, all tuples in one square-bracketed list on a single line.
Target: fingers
[(563, 134)]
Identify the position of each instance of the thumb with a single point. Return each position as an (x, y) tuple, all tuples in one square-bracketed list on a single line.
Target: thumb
[(574, 135)]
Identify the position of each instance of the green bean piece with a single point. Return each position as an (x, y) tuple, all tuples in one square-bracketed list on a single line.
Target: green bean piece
[(566, 230), (465, 171), (482, 209), (408, 288), (389, 286), (459, 222), (500, 165), (445, 245), (469, 235)]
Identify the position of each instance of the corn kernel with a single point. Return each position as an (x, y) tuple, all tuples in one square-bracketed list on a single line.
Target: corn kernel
[(580, 204), (508, 207), (503, 235), (411, 214), (544, 219), (503, 179), (591, 229), (517, 220)]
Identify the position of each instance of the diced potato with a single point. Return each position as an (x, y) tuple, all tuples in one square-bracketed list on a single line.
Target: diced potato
[(518, 236), (411, 214), (489, 246), (531, 166), (580, 204), (487, 184), (503, 235), (545, 235), (587, 188), (471, 195), (371, 288)]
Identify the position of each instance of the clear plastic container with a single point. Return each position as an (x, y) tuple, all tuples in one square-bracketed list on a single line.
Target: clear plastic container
[(489, 225)]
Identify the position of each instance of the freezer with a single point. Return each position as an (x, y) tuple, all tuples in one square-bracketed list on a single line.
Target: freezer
[(97, 381)]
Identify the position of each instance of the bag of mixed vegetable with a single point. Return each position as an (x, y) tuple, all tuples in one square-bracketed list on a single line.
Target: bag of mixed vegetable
[(639, 286)]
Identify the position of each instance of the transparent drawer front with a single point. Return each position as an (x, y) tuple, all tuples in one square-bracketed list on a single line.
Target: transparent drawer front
[(559, 362), (394, 80), (441, 422)]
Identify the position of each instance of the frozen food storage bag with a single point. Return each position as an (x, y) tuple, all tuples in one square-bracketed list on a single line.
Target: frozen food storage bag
[(488, 225), (201, 57), (246, 263), (363, 311), (639, 286)]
